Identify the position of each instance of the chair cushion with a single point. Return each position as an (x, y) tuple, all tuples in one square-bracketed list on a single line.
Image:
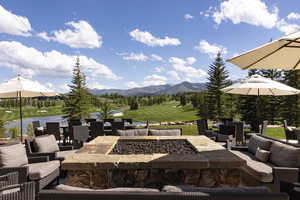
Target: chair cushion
[(45, 144), (262, 155), (37, 171), (257, 141), (13, 155), (120, 189), (62, 155), (133, 132), (166, 132), (284, 155), (257, 169), (219, 190)]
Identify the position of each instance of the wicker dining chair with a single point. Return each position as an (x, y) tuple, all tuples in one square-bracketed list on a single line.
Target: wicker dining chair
[(289, 133), (97, 129), (53, 128)]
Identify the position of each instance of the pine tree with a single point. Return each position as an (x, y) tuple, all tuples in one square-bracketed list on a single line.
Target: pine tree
[(291, 105), (248, 104), (78, 100), (218, 79)]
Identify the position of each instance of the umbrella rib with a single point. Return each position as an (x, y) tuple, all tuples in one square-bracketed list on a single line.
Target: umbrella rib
[(272, 92), (248, 91), (296, 64), (268, 54), (293, 41)]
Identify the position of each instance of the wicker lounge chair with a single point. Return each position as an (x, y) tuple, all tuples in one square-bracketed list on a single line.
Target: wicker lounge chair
[(289, 132), (12, 189), (13, 158), (46, 145)]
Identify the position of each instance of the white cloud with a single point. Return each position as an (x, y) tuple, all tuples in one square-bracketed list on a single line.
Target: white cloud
[(44, 35), (82, 35), (286, 27), (159, 69), (188, 16), (148, 39), (95, 85), (174, 75), (253, 12), (211, 49), (184, 69), (136, 57), (132, 84), (156, 57), (140, 57), (19, 57), (155, 79), (293, 15), (14, 24)]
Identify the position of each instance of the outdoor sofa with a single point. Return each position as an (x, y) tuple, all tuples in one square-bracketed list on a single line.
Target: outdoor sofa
[(46, 145), (40, 170), (150, 132), (166, 193), (270, 161)]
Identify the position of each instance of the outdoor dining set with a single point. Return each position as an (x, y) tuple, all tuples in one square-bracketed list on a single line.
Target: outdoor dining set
[(77, 130)]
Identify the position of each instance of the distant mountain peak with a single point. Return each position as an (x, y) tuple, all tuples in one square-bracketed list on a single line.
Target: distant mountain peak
[(153, 90)]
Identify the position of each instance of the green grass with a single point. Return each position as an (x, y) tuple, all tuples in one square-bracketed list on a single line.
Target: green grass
[(29, 112), (277, 133), (166, 112)]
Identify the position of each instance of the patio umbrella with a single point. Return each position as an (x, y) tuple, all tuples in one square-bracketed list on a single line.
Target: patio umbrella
[(283, 53), (20, 87), (258, 85)]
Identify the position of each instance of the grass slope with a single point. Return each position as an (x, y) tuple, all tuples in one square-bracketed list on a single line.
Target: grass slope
[(165, 112)]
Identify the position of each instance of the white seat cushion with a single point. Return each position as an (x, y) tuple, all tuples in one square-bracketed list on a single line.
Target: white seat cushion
[(13, 155), (119, 189), (62, 155), (40, 170), (257, 169), (45, 144)]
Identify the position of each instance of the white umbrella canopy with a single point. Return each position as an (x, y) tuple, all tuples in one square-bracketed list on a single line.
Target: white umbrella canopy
[(20, 87), (283, 53), (258, 85)]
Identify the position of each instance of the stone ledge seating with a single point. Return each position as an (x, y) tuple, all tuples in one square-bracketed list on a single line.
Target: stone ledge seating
[(149, 132), (283, 163)]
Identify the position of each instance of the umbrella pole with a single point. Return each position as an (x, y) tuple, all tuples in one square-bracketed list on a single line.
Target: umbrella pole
[(21, 117)]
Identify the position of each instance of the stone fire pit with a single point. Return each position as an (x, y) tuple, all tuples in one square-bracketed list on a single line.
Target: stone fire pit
[(153, 161)]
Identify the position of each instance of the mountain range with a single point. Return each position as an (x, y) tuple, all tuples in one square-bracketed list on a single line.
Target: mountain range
[(154, 89)]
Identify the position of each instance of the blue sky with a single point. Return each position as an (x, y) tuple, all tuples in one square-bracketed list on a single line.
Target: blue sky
[(134, 43)]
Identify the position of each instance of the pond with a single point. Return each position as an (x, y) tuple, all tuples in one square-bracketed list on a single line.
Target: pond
[(56, 118)]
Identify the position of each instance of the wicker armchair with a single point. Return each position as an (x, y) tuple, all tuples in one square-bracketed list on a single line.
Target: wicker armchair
[(289, 132), (37, 169), (63, 152), (11, 189)]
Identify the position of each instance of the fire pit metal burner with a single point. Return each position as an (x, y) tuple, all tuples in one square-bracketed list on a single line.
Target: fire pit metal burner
[(175, 146)]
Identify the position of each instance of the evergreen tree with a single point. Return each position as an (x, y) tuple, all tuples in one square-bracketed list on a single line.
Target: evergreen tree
[(78, 100), (291, 105), (183, 100), (248, 104), (106, 109), (218, 79)]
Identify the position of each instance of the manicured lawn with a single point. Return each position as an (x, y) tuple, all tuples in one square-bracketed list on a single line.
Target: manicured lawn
[(166, 112), (29, 112), (192, 130)]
